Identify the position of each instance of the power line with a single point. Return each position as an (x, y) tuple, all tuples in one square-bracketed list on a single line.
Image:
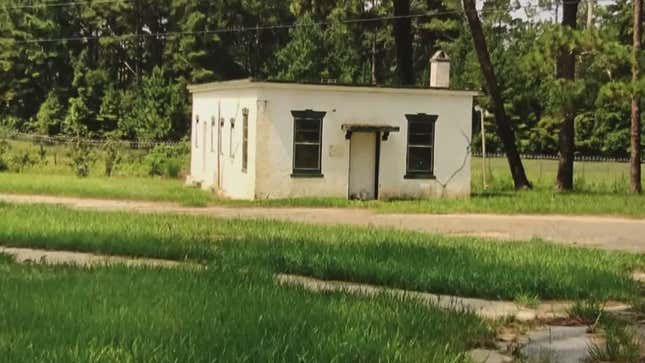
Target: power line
[(96, 2), (63, 4), (226, 30), (165, 35)]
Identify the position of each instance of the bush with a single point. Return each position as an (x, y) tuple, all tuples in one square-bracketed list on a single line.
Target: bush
[(167, 160), (112, 156), (81, 157), (21, 160), (4, 151)]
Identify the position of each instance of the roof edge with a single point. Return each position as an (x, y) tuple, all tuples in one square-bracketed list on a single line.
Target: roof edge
[(249, 83)]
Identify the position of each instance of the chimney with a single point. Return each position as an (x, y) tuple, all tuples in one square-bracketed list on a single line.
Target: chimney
[(440, 70)]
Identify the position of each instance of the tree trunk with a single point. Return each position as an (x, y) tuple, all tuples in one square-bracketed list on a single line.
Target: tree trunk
[(504, 130), (403, 41), (590, 6), (566, 70), (635, 159)]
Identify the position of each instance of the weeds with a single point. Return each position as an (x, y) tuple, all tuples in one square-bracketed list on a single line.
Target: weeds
[(528, 300), (620, 344), (587, 312)]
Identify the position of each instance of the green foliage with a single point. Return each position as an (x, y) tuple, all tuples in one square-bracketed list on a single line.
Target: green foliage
[(159, 109), (21, 160), (50, 115), (168, 160), (81, 155), (111, 156), (4, 154), (302, 58)]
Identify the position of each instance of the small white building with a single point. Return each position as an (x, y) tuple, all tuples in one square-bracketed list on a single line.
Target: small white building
[(257, 140)]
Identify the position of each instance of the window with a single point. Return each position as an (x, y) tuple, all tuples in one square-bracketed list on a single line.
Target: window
[(245, 139), (196, 131), (213, 134), (307, 142), (420, 156), (230, 139), (219, 136)]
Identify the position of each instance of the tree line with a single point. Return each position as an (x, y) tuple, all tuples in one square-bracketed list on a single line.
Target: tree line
[(559, 75)]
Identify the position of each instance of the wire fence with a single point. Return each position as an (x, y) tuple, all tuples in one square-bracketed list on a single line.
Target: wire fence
[(150, 144), (590, 158), (68, 140)]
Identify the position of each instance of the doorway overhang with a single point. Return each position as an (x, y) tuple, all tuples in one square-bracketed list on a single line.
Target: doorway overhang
[(384, 130)]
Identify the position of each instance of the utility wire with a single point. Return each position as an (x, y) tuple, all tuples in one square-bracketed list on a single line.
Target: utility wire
[(62, 4), (95, 2), (165, 35)]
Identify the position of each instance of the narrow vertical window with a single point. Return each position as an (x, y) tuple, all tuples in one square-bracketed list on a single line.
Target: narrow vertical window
[(213, 124), (307, 143), (230, 138), (219, 136), (420, 153), (196, 131), (245, 139)]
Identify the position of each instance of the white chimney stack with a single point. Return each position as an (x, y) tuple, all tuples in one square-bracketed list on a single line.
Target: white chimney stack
[(440, 70)]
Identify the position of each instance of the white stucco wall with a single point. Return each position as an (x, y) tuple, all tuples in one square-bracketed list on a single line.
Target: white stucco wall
[(271, 139), (231, 181), (275, 148)]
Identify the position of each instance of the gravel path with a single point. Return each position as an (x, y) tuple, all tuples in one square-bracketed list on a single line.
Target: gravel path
[(589, 231)]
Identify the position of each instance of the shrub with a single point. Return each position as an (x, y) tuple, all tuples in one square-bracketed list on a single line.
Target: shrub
[(112, 156), (42, 153), (167, 160), (21, 160), (81, 157), (4, 150)]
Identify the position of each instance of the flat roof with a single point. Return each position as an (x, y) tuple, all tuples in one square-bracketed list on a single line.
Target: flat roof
[(250, 83)]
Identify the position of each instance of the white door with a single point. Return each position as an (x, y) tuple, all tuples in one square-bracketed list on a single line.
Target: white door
[(362, 166)]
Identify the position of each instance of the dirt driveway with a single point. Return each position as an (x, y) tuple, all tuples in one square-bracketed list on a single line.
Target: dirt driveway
[(598, 232)]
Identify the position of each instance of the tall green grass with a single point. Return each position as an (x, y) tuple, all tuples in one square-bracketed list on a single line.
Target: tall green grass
[(118, 314), (451, 265)]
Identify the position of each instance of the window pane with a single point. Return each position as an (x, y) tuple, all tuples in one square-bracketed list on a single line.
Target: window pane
[(307, 136), (420, 139), (420, 127), (420, 159), (304, 124), (307, 157)]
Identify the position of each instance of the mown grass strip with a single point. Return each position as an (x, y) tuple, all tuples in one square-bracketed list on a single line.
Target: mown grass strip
[(601, 189), (463, 266), (126, 188)]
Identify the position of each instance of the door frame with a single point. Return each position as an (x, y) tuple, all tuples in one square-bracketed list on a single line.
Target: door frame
[(377, 164)]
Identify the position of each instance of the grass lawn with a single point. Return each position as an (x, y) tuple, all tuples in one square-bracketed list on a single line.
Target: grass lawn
[(119, 187), (451, 265), (234, 311), (601, 190), (63, 314)]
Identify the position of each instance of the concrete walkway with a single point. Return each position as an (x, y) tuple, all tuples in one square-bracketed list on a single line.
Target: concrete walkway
[(597, 232), (488, 309), (81, 259)]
